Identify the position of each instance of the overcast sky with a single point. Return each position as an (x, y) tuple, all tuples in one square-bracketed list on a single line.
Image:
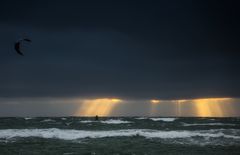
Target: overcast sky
[(132, 50)]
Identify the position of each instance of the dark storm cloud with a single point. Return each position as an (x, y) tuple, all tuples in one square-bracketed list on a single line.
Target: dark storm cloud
[(136, 49)]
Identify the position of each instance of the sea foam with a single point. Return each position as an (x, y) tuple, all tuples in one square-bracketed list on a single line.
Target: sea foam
[(108, 121), (115, 121), (141, 118), (208, 124), (70, 134), (163, 119), (48, 120), (87, 121), (28, 118)]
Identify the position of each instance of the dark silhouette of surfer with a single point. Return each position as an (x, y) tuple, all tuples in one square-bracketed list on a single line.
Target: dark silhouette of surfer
[(96, 118), (17, 45), (17, 48)]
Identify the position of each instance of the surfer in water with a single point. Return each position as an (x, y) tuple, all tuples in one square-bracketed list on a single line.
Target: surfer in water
[(96, 118), (18, 44)]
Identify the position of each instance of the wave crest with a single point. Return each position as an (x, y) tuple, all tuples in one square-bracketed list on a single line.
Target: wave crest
[(67, 134)]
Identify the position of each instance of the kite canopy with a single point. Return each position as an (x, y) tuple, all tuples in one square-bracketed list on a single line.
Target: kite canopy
[(17, 45)]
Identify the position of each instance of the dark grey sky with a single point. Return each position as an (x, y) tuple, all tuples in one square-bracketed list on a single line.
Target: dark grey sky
[(129, 49)]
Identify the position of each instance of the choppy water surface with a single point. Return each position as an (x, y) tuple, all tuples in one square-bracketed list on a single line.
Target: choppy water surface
[(119, 135)]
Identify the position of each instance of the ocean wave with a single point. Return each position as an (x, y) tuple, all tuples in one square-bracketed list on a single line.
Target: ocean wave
[(70, 134), (68, 123), (48, 120), (28, 118), (109, 121), (141, 118), (164, 119), (208, 124), (115, 121), (87, 121)]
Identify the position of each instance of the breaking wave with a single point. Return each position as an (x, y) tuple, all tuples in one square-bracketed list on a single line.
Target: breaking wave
[(163, 119), (140, 118), (207, 124), (115, 121), (109, 121), (28, 118), (68, 134), (48, 120), (87, 121)]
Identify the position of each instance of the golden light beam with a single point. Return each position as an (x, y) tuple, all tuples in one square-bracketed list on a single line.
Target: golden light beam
[(210, 107), (153, 106), (179, 106), (101, 107), (204, 107)]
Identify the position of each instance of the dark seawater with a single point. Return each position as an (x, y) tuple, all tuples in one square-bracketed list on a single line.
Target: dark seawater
[(119, 135)]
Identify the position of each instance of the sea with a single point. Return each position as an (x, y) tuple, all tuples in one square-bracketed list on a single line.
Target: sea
[(119, 136)]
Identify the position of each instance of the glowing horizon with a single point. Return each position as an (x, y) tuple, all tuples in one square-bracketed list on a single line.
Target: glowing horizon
[(200, 107), (155, 101)]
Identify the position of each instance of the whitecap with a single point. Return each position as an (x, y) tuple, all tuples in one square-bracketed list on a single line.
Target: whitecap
[(164, 119), (70, 134), (109, 121), (87, 121), (48, 120), (115, 121), (68, 123), (141, 118), (208, 124), (28, 118)]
